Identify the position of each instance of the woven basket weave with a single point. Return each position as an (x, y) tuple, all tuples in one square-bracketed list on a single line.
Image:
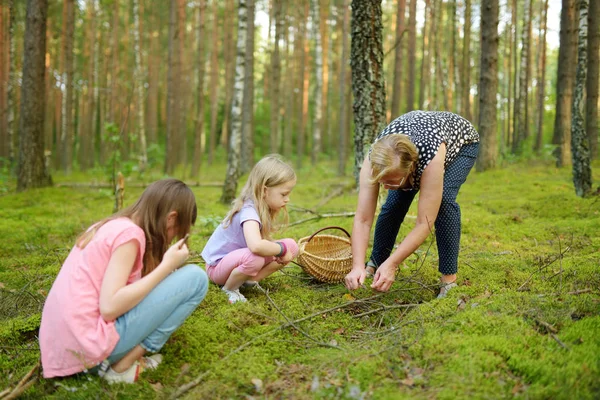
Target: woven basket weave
[(328, 258)]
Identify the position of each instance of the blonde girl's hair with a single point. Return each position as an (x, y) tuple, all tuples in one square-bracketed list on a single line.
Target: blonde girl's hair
[(270, 171), (394, 154), (150, 213)]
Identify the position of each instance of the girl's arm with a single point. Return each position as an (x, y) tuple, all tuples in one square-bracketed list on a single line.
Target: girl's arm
[(116, 297), (256, 243), (430, 198), (361, 228)]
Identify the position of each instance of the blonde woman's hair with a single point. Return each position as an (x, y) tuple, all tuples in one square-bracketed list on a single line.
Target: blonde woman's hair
[(150, 213), (394, 154), (270, 171)]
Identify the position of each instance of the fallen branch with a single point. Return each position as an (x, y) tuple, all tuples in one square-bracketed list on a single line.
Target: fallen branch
[(319, 216), (540, 269), (576, 292), (384, 307), (24, 384)]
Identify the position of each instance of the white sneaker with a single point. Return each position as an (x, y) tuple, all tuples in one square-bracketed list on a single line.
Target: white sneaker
[(234, 296), (151, 362), (445, 288), (130, 375)]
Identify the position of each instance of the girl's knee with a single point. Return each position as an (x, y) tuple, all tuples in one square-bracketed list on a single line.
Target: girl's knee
[(291, 246), (197, 277), (251, 264)]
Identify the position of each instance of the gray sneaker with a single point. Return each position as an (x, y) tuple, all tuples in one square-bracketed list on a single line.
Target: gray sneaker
[(445, 288)]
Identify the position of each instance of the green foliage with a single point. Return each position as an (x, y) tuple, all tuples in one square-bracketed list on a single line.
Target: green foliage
[(524, 321)]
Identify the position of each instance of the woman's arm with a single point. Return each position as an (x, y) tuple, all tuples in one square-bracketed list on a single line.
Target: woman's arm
[(361, 228), (116, 297), (430, 198), (256, 243)]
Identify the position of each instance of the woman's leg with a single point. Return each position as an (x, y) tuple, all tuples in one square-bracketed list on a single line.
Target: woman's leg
[(388, 224), (447, 224), (239, 266), (147, 326)]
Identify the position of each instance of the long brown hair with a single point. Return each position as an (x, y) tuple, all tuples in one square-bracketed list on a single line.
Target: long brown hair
[(270, 171), (150, 213), (394, 153)]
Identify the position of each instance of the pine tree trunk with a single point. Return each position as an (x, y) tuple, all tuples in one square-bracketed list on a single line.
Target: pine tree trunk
[(343, 134), (488, 85), (214, 81), (591, 115), (521, 103), (300, 45), (398, 59), (3, 77), (318, 107), (11, 93), (173, 81), (466, 65), (564, 86), (67, 107), (32, 172), (140, 83), (368, 82), (425, 55), (411, 55), (276, 77), (326, 46), (235, 134), (153, 81), (289, 90), (452, 77), (229, 54), (582, 172), (541, 81), (199, 134), (248, 100)]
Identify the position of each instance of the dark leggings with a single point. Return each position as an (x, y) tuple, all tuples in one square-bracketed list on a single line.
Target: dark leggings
[(447, 224)]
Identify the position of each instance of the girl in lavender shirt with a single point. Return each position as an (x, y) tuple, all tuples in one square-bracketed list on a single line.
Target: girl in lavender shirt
[(241, 250)]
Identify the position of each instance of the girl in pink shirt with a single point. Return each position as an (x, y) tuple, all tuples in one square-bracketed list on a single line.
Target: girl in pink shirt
[(241, 250), (122, 290)]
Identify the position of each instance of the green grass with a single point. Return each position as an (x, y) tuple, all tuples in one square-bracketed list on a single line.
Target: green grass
[(519, 324)]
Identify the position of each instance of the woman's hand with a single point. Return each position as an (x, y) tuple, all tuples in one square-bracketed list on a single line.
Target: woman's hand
[(176, 255), (384, 277), (355, 278)]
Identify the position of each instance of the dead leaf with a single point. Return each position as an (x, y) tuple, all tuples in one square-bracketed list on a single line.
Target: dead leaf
[(348, 297), (339, 331)]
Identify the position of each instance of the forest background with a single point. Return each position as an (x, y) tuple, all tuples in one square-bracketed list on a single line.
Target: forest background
[(199, 90)]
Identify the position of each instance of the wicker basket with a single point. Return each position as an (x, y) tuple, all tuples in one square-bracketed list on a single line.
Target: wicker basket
[(328, 258)]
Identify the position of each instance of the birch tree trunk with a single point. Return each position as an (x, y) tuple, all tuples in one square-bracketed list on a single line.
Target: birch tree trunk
[(199, 135), (368, 82), (488, 85), (32, 172), (564, 85), (582, 172), (318, 107), (235, 134)]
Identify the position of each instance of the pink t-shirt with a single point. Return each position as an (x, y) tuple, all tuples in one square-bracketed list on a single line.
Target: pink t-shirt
[(73, 334)]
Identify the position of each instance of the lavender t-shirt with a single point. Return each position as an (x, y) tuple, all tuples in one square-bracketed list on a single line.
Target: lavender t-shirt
[(224, 240)]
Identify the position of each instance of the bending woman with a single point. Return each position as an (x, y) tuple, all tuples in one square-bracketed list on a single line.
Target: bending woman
[(430, 151)]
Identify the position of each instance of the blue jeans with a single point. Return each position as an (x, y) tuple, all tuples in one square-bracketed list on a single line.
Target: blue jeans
[(161, 312), (447, 223)]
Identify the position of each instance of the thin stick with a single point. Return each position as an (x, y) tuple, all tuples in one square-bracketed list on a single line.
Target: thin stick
[(19, 390), (185, 239), (320, 216), (543, 267)]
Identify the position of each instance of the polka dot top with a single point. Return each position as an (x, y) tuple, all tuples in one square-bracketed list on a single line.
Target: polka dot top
[(427, 130)]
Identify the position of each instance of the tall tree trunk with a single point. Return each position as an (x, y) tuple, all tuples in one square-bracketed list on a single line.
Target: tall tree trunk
[(411, 55), (327, 55), (591, 115), (184, 86), (343, 134), (32, 172), (229, 55), (289, 90), (153, 80), (235, 134), (214, 82), (3, 78), (140, 84), (425, 56), (451, 77), (317, 132), (582, 172), (466, 64), (248, 99), (300, 49), (398, 51), (511, 73), (541, 81), (488, 85), (564, 86), (275, 77), (521, 103), (67, 107), (368, 83), (11, 93), (173, 91), (199, 135)]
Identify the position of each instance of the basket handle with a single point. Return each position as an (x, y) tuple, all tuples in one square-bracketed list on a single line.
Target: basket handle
[(328, 227)]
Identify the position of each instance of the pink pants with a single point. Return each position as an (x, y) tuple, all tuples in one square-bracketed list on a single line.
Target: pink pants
[(245, 261)]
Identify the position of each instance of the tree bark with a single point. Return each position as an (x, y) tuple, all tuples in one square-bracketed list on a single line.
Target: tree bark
[(411, 55), (488, 85), (229, 55), (248, 100), (582, 171), (398, 59), (591, 115), (214, 83), (199, 135), (425, 57), (276, 78), (32, 172), (235, 134), (318, 107), (140, 83), (343, 134), (173, 90), (541, 81), (67, 107), (466, 64), (368, 82)]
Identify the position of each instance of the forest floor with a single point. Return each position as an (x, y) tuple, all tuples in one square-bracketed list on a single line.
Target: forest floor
[(524, 322)]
